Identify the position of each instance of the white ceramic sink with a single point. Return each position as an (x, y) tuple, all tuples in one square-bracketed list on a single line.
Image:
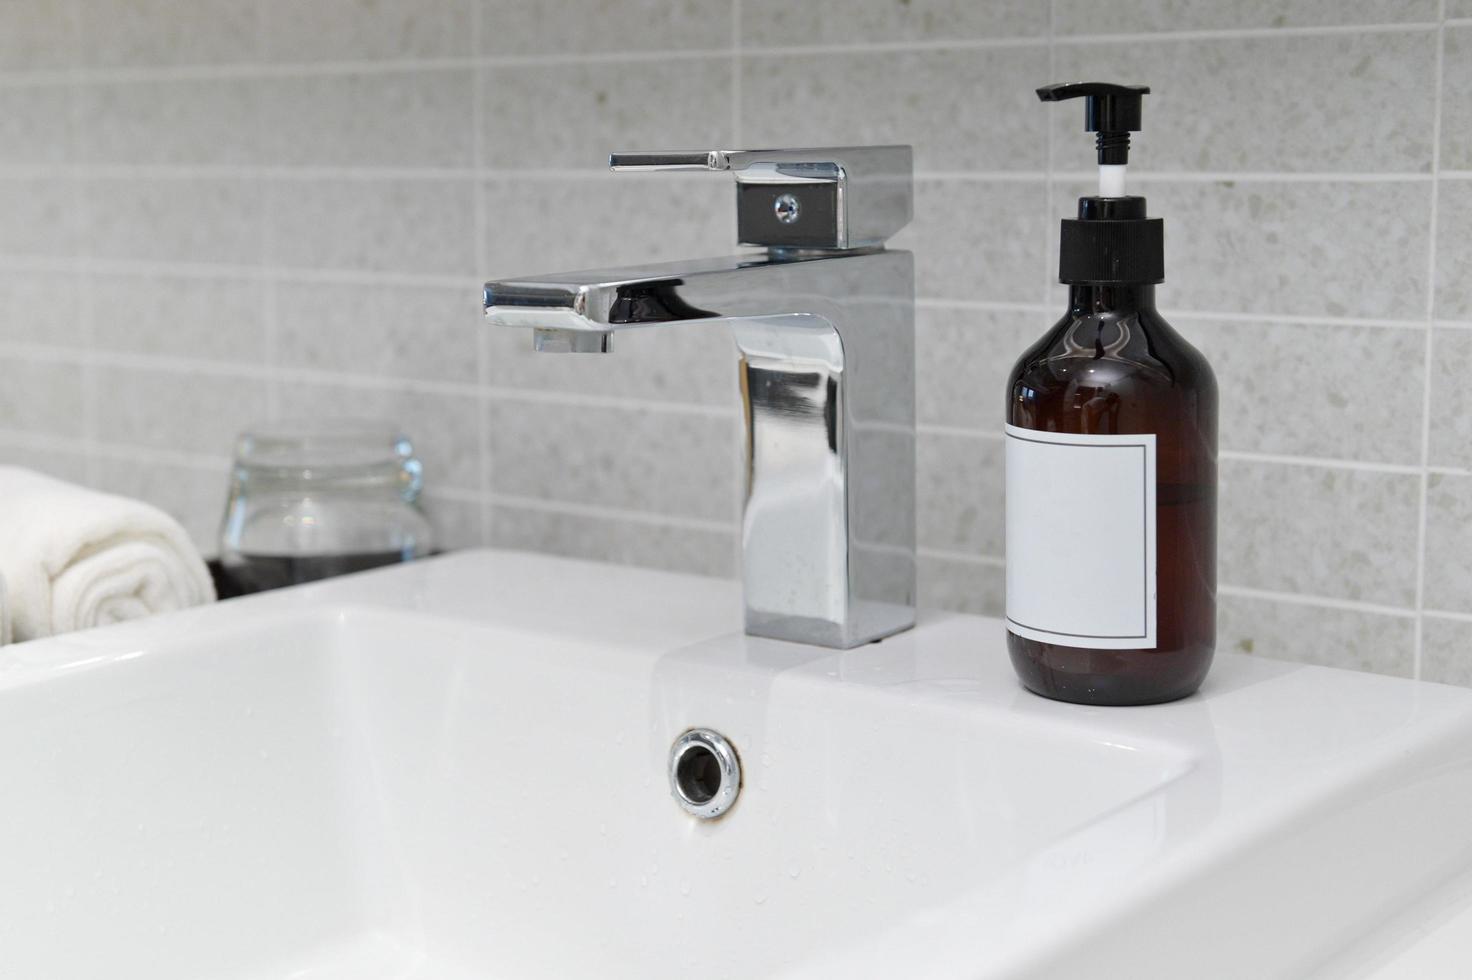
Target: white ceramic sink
[(457, 769)]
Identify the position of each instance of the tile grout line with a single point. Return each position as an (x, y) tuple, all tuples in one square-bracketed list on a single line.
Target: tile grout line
[(270, 288), (654, 518), (1242, 33), (480, 171), (87, 306), (1316, 601), (478, 249), (1423, 503), (267, 69)]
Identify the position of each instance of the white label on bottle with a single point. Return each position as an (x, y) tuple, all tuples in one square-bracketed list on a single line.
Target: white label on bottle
[(1081, 539)]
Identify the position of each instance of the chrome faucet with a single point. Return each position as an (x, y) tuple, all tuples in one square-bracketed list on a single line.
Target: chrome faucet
[(824, 324)]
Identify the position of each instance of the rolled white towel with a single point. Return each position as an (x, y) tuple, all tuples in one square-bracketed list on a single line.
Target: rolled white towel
[(72, 558)]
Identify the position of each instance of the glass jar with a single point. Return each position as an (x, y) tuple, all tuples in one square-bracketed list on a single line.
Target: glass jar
[(313, 499)]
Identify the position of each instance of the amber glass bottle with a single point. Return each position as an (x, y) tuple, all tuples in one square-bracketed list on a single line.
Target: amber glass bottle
[(1112, 367), (1111, 459)]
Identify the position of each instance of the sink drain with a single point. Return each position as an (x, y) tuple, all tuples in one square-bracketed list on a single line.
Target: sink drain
[(705, 774)]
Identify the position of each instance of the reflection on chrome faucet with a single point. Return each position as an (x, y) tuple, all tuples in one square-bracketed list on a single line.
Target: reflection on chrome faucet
[(824, 323)]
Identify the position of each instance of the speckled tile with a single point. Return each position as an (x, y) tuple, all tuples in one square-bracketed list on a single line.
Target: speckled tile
[(191, 220), (193, 121), (1344, 534), (963, 360), (351, 30), (42, 397), (1298, 248), (41, 308), (63, 464), (1449, 543), (1446, 651), (1453, 247), (216, 318), (1381, 80), (978, 239), (960, 486), (602, 108), (132, 33), (1458, 8), (369, 119), (1451, 400), (457, 522), (444, 427), (962, 110), (690, 363), (427, 332), (403, 226), (1383, 644), (40, 35), (1302, 389), (534, 227), (1456, 107), (1125, 16), (962, 586), (177, 410), (622, 540), (192, 495), (670, 463), (42, 216), (513, 27), (781, 23), (37, 125)]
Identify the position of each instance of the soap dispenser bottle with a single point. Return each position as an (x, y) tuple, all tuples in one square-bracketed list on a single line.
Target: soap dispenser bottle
[(1111, 460)]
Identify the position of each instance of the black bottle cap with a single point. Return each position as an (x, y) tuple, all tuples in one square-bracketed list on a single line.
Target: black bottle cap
[(1111, 242), (1097, 248)]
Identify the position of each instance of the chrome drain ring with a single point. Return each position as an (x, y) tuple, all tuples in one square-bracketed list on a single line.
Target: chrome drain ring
[(705, 773)]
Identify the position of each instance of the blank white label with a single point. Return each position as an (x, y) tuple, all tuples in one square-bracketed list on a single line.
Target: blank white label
[(1081, 539)]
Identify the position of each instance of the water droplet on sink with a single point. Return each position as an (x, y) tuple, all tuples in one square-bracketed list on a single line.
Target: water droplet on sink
[(685, 888), (760, 899), (766, 759), (794, 871)]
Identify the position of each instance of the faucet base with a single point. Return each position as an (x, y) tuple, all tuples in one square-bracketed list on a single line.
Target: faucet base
[(873, 622)]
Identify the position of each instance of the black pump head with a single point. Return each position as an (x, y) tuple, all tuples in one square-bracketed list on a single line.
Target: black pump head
[(1112, 111)]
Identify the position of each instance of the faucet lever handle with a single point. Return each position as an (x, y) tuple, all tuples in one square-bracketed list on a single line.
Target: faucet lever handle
[(825, 197)]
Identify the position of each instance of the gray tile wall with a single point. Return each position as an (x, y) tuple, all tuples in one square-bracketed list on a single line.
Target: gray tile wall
[(222, 210)]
